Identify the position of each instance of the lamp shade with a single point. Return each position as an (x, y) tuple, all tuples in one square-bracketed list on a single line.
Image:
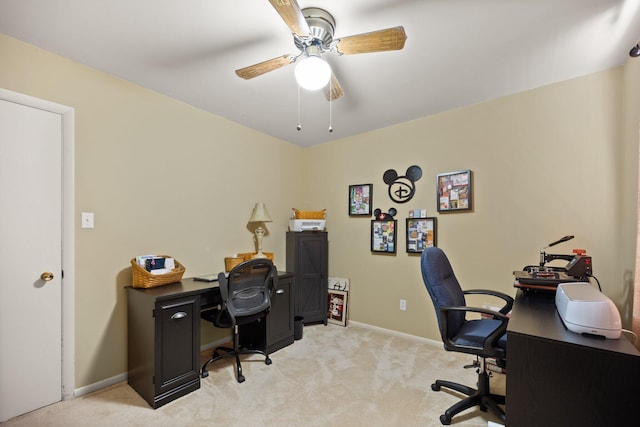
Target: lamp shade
[(260, 213), (312, 73)]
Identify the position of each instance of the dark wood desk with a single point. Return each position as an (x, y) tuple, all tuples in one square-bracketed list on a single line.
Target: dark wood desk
[(164, 334), (556, 377)]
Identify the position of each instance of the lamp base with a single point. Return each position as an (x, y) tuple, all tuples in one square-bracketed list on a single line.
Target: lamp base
[(259, 236)]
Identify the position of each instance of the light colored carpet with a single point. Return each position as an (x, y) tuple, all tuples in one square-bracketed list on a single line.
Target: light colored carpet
[(354, 376)]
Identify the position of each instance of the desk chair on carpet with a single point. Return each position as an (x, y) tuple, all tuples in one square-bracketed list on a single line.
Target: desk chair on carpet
[(246, 298), (484, 337)]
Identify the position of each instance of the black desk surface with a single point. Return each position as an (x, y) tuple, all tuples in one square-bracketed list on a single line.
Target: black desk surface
[(556, 377), (189, 286), (184, 287), (535, 314)]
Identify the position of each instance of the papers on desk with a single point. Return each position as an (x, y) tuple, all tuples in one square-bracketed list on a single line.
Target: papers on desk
[(155, 264), (209, 277)]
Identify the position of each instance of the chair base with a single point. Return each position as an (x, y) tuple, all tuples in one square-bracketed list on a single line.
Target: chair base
[(224, 352), (481, 397)]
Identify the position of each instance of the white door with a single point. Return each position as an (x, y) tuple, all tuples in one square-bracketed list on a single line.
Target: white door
[(30, 248)]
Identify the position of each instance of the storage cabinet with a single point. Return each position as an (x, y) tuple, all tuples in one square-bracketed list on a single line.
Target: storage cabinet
[(308, 260), (157, 326), (164, 334), (276, 331)]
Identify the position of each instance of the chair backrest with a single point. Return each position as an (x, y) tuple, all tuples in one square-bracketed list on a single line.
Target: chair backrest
[(247, 289), (444, 289)]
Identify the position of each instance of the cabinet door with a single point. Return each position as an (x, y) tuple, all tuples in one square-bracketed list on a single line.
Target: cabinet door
[(277, 331), (177, 343), (311, 276), (280, 320)]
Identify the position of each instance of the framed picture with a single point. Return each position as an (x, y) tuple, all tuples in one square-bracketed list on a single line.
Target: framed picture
[(360, 199), (454, 191), (421, 233), (339, 283), (383, 235), (337, 307)]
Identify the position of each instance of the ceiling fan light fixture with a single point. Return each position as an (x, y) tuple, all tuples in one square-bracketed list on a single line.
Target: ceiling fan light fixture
[(312, 73)]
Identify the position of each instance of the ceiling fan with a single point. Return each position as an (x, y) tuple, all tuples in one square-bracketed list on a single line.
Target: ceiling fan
[(313, 30)]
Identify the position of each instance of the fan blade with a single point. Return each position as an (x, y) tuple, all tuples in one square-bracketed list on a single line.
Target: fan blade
[(292, 15), (333, 90), (375, 41), (259, 69)]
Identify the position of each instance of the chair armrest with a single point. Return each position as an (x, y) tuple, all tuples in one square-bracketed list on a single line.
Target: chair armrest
[(506, 298), (480, 310), (223, 286), (273, 286)]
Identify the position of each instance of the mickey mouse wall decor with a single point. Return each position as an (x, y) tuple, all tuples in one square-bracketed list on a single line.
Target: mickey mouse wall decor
[(382, 216), (402, 188)]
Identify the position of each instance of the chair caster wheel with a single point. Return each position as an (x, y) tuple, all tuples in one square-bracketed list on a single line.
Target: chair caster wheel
[(240, 378), (483, 408), (267, 361), (435, 387), (204, 374), (445, 419)]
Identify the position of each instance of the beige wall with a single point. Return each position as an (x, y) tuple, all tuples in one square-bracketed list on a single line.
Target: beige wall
[(549, 162), (161, 177), (546, 163)]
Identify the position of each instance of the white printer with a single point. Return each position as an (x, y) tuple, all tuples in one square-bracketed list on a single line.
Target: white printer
[(307, 224), (586, 310)]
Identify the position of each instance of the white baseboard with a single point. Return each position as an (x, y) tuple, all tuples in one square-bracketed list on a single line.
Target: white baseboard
[(396, 333), (108, 382), (214, 344)]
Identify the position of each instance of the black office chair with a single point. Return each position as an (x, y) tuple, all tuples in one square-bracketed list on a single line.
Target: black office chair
[(483, 337), (246, 298)]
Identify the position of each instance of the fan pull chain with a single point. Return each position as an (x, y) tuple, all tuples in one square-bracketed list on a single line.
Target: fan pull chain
[(298, 126), (330, 102)]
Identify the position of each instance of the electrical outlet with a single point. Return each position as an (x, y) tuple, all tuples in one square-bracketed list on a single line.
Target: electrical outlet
[(403, 305)]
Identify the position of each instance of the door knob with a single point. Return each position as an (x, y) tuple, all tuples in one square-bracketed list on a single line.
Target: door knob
[(46, 276)]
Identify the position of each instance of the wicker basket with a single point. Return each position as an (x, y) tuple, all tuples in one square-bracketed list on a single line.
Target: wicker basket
[(143, 279), (249, 255), (230, 262), (309, 214)]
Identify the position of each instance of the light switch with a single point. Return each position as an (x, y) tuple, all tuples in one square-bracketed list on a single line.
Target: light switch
[(87, 219)]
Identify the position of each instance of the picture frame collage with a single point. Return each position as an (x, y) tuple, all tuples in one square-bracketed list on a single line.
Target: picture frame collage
[(360, 200), (421, 234), (384, 236), (454, 193)]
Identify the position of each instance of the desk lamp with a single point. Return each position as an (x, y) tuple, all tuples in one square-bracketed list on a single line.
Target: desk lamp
[(260, 215)]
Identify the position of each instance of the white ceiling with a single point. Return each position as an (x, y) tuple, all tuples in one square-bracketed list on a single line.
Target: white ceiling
[(457, 53)]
